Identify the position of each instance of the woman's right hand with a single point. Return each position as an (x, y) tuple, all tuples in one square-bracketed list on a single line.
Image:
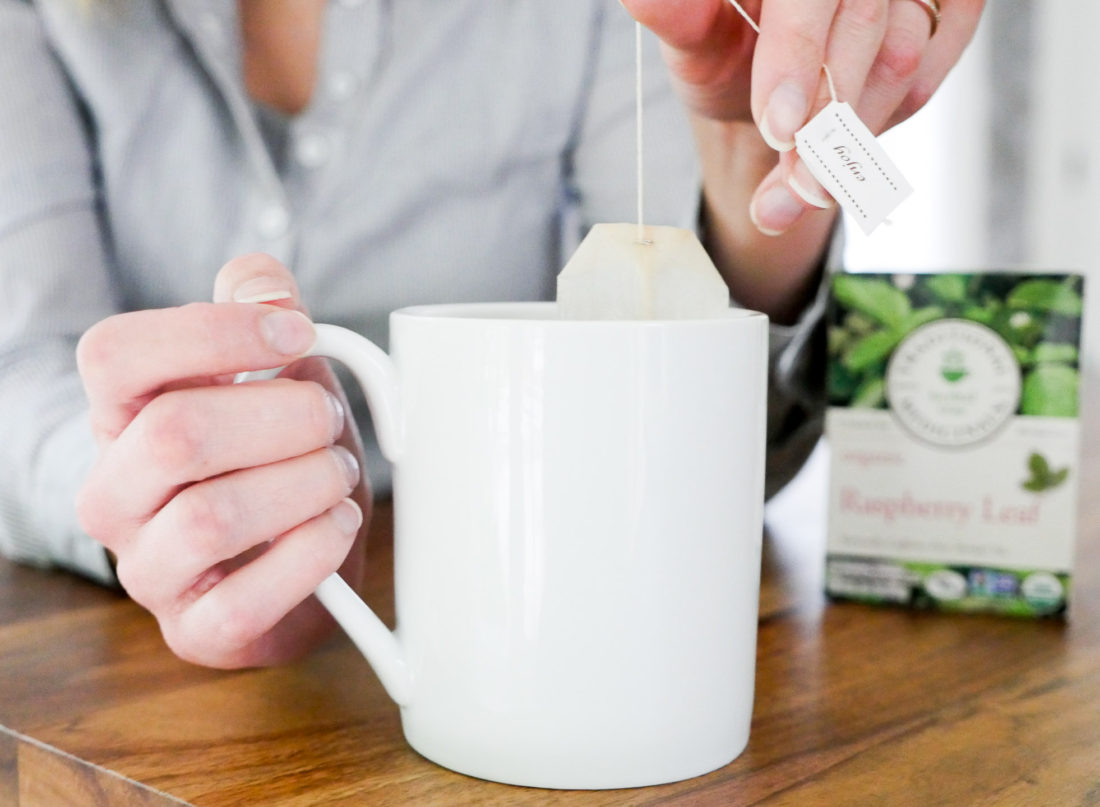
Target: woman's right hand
[(886, 56), (224, 504)]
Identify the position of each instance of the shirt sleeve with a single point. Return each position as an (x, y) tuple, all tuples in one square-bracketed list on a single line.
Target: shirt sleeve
[(604, 188), (53, 285), (796, 382)]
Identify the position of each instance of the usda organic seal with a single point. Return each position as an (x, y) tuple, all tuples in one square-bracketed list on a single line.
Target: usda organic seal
[(953, 383), (1043, 590)]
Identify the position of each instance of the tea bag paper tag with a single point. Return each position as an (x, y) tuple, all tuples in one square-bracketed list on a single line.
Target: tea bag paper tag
[(849, 162)]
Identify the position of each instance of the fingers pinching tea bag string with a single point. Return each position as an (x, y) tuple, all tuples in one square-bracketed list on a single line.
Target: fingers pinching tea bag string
[(640, 271), (846, 158), (745, 14)]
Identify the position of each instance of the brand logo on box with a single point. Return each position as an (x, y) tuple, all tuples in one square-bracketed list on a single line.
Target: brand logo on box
[(953, 383)]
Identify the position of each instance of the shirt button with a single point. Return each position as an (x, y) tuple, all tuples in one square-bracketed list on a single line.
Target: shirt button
[(211, 28), (341, 86), (273, 222), (312, 150)]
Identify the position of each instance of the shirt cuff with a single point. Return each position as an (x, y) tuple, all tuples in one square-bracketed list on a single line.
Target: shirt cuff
[(64, 461), (789, 345)]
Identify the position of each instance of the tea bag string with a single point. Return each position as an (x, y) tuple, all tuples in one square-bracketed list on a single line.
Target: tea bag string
[(639, 137), (755, 27)]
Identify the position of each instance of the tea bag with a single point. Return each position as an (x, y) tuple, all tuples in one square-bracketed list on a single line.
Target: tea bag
[(621, 271), (635, 271)]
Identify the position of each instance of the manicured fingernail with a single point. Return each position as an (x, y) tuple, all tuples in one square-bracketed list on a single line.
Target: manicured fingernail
[(775, 210), (348, 517), (261, 290), (348, 465), (336, 412), (803, 183), (288, 332), (783, 116)]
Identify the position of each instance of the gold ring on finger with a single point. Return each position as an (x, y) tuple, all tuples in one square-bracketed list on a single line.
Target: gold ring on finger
[(933, 9)]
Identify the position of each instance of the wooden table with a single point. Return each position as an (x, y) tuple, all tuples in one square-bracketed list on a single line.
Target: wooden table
[(854, 706)]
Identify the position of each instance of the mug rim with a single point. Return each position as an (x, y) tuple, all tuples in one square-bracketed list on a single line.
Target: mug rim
[(542, 312)]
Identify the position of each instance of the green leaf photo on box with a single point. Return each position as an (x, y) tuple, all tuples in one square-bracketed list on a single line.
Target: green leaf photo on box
[(1037, 315)]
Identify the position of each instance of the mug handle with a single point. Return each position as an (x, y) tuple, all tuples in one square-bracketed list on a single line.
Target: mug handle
[(375, 372)]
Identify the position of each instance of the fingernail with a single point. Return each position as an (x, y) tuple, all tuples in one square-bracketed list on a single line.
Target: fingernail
[(288, 332), (775, 210), (336, 412), (261, 290), (348, 465), (805, 185), (348, 517), (783, 116)]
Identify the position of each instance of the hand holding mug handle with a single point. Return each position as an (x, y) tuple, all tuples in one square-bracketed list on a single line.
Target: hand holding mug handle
[(375, 371)]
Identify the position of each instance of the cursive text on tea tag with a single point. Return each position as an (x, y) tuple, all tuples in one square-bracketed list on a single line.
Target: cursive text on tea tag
[(849, 162)]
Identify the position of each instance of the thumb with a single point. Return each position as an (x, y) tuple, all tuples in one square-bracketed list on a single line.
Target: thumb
[(257, 278), (708, 49)]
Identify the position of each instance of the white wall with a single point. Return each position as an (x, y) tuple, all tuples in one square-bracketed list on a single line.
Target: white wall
[(1063, 209), (1064, 205), (944, 153)]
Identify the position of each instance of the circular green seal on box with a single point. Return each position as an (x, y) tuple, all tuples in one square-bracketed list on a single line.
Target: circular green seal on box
[(953, 383), (1043, 590)]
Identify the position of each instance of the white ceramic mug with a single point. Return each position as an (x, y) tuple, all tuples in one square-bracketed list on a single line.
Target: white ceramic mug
[(578, 510)]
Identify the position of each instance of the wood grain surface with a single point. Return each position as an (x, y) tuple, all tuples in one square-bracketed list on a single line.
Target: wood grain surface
[(854, 706)]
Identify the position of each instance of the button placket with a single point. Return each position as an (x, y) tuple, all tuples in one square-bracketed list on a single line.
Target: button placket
[(317, 135), (211, 27), (355, 31)]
